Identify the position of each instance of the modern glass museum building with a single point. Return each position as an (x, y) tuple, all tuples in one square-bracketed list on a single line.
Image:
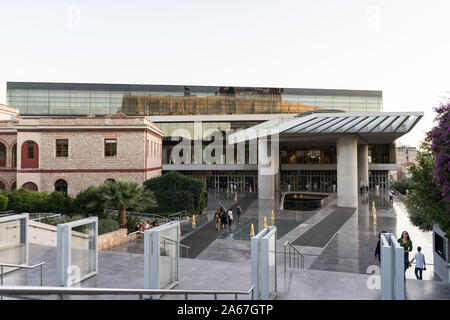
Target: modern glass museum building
[(326, 139)]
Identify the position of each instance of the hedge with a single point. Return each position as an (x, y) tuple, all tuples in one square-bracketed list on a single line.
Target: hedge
[(176, 192)]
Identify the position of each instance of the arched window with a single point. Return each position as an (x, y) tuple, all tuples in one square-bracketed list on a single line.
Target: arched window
[(30, 155), (14, 186), (110, 180), (61, 185), (2, 155), (30, 186), (2, 186), (14, 155)]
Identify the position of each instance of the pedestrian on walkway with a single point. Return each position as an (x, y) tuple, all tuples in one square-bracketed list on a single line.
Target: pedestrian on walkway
[(378, 248), (223, 219), (230, 217), (238, 213), (217, 220), (420, 263), (406, 243), (391, 195)]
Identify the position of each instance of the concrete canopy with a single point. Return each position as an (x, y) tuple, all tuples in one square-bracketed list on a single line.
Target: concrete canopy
[(370, 127)]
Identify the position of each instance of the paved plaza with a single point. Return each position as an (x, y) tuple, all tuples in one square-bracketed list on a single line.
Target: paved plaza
[(336, 270)]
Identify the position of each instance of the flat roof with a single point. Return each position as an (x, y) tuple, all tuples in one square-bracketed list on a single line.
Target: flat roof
[(182, 88)]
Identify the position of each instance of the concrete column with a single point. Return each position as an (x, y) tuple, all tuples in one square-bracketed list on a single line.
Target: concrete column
[(347, 172), (266, 171), (363, 164)]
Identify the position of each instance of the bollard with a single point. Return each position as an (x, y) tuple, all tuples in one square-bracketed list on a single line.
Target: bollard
[(374, 213), (252, 231), (265, 222), (273, 219)]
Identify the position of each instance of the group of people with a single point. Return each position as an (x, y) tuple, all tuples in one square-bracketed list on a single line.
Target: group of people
[(224, 218), (147, 225), (406, 243)]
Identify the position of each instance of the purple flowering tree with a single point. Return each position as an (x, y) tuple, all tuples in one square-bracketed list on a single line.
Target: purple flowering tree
[(440, 145), (429, 201)]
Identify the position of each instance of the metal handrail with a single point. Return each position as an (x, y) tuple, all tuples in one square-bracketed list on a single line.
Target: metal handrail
[(300, 257), (180, 244), (46, 217), (9, 265), (33, 290), (141, 214)]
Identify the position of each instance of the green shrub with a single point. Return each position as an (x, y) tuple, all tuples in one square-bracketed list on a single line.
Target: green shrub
[(107, 225), (403, 185), (131, 223), (23, 200), (3, 201), (89, 203), (59, 202), (175, 192), (203, 201)]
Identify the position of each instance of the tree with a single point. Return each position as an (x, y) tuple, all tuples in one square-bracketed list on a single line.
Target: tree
[(429, 201), (176, 192), (3, 201), (440, 137), (126, 195), (90, 202)]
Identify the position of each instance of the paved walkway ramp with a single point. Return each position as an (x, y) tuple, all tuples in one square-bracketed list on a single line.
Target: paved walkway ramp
[(204, 236), (321, 233)]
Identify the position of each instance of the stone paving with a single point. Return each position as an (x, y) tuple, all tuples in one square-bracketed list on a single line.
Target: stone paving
[(336, 271)]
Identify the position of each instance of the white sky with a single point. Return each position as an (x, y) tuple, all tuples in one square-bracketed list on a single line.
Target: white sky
[(400, 47)]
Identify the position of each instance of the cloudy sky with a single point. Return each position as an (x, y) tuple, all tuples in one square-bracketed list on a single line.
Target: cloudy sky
[(400, 47)]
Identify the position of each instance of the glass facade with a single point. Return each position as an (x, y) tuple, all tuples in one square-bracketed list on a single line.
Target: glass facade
[(186, 129), (308, 155), (151, 100), (379, 153)]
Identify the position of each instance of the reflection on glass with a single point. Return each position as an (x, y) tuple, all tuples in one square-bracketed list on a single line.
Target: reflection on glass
[(168, 268), (13, 246), (83, 99), (272, 262)]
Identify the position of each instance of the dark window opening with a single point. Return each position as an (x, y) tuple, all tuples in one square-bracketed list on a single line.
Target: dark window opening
[(62, 148), (14, 156), (30, 154), (61, 186), (439, 246), (2, 155), (110, 147)]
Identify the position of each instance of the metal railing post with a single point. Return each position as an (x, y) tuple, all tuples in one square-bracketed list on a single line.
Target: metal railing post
[(1, 297), (42, 281), (215, 296), (289, 256), (185, 296), (284, 258)]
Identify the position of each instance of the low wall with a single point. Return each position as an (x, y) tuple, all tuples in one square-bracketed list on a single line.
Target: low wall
[(46, 235), (111, 239)]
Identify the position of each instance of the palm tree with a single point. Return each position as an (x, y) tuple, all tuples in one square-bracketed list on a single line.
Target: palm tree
[(124, 195)]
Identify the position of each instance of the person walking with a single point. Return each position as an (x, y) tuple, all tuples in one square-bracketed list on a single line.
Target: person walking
[(420, 263), (238, 213), (217, 220), (230, 218), (391, 196), (378, 248), (229, 214), (406, 243), (223, 218)]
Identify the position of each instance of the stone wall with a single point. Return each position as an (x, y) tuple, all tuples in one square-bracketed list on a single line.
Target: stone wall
[(111, 239)]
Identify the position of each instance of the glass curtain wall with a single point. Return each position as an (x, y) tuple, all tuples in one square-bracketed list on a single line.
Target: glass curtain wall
[(104, 99)]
